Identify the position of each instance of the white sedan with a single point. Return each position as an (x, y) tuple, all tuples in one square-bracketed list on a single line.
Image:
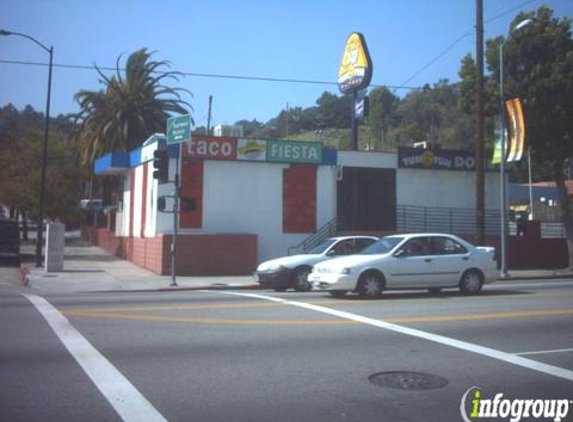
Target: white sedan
[(410, 261), (292, 271)]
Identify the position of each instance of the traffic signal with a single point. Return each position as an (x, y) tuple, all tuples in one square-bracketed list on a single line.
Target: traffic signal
[(161, 203), (187, 204), (161, 165)]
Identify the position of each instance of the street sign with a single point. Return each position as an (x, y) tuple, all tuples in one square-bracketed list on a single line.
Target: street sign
[(179, 129)]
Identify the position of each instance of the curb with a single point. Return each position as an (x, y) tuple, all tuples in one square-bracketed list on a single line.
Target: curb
[(549, 277), (211, 287)]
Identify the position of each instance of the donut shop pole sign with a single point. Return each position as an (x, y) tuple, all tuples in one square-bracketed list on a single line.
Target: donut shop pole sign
[(355, 70)]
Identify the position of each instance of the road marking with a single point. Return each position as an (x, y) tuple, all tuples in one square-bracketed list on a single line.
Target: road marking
[(458, 344), (200, 320), (544, 352), (470, 317), (120, 313), (127, 401), (175, 308), (347, 301)]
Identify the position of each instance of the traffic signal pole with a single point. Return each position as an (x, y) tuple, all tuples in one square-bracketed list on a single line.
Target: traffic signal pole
[(175, 222)]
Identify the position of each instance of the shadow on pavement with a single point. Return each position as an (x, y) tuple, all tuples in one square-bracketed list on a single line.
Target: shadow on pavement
[(399, 295)]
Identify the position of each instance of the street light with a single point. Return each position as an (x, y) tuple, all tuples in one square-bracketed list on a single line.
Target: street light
[(40, 236), (503, 207)]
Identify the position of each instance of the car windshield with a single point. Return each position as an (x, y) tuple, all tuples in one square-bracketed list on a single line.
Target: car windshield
[(321, 247), (383, 246)]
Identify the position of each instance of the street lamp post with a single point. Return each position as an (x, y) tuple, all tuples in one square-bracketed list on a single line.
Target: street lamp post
[(40, 236), (503, 204)]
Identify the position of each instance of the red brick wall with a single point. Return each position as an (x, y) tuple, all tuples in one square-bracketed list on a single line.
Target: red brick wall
[(232, 254), (299, 199)]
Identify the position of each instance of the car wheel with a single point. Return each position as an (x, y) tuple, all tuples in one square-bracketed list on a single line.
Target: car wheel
[(300, 280), (471, 281), (337, 293), (370, 286)]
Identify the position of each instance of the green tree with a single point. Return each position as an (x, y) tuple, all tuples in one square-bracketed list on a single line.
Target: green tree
[(334, 111), (432, 114), (133, 105), (20, 175), (538, 68), (382, 115)]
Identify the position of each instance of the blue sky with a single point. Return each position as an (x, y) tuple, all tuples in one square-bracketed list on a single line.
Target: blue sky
[(295, 39)]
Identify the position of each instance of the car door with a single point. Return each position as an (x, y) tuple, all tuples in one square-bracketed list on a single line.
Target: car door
[(412, 266), (450, 259)]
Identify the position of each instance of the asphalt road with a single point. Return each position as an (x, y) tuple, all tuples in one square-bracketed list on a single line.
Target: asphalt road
[(265, 356)]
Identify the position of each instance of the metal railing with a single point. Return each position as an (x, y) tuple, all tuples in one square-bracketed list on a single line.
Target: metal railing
[(411, 218), (548, 230), (329, 229), (444, 220)]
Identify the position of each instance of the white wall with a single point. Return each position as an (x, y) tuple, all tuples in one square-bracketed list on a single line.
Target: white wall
[(241, 197), (385, 160), (151, 202), (138, 201), (444, 188), (126, 216)]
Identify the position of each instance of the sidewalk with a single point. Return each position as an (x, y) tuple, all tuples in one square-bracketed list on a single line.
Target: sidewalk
[(88, 268)]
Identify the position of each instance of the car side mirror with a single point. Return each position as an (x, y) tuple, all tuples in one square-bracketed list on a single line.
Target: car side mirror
[(331, 252), (400, 253)]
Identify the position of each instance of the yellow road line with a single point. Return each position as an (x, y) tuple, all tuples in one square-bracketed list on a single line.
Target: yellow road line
[(206, 320), (178, 308), (481, 316), (234, 321), (348, 301)]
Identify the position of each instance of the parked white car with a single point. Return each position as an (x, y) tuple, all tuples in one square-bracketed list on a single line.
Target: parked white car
[(292, 271), (410, 261)]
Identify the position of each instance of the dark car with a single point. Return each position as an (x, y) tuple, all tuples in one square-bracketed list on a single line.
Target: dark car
[(9, 239)]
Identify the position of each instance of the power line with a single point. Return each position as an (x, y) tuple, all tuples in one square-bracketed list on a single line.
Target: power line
[(206, 75), (468, 33), (507, 12), (438, 57)]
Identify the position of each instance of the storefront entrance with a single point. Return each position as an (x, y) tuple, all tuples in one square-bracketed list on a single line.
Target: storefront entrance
[(366, 199)]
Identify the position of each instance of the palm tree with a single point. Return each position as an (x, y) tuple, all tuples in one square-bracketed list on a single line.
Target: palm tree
[(129, 109)]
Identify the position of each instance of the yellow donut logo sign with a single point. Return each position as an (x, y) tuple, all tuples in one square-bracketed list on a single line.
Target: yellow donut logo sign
[(428, 158), (355, 71)]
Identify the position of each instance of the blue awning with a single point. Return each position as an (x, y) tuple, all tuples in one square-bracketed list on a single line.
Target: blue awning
[(112, 163)]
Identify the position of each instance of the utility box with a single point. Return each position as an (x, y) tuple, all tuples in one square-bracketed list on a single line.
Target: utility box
[(54, 259)]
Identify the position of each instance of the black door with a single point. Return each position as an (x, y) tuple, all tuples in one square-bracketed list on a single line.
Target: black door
[(367, 199)]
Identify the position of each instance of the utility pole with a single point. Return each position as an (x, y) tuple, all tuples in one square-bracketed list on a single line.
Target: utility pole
[(480, 141), (354, 147), (209, 115)]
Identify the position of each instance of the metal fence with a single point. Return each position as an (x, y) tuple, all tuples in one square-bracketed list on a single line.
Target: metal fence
[(444, 220), (461, 221)]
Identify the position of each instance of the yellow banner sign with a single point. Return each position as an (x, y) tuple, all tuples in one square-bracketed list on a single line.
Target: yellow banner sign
[(355, 71), (516, 126)]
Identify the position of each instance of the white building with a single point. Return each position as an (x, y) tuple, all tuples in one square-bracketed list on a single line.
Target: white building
[(281, 192)]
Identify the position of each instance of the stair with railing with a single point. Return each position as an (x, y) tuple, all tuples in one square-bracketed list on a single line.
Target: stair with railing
[(328, 230)]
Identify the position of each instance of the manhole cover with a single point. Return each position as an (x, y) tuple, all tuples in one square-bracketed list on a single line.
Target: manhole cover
[(405, 380)]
